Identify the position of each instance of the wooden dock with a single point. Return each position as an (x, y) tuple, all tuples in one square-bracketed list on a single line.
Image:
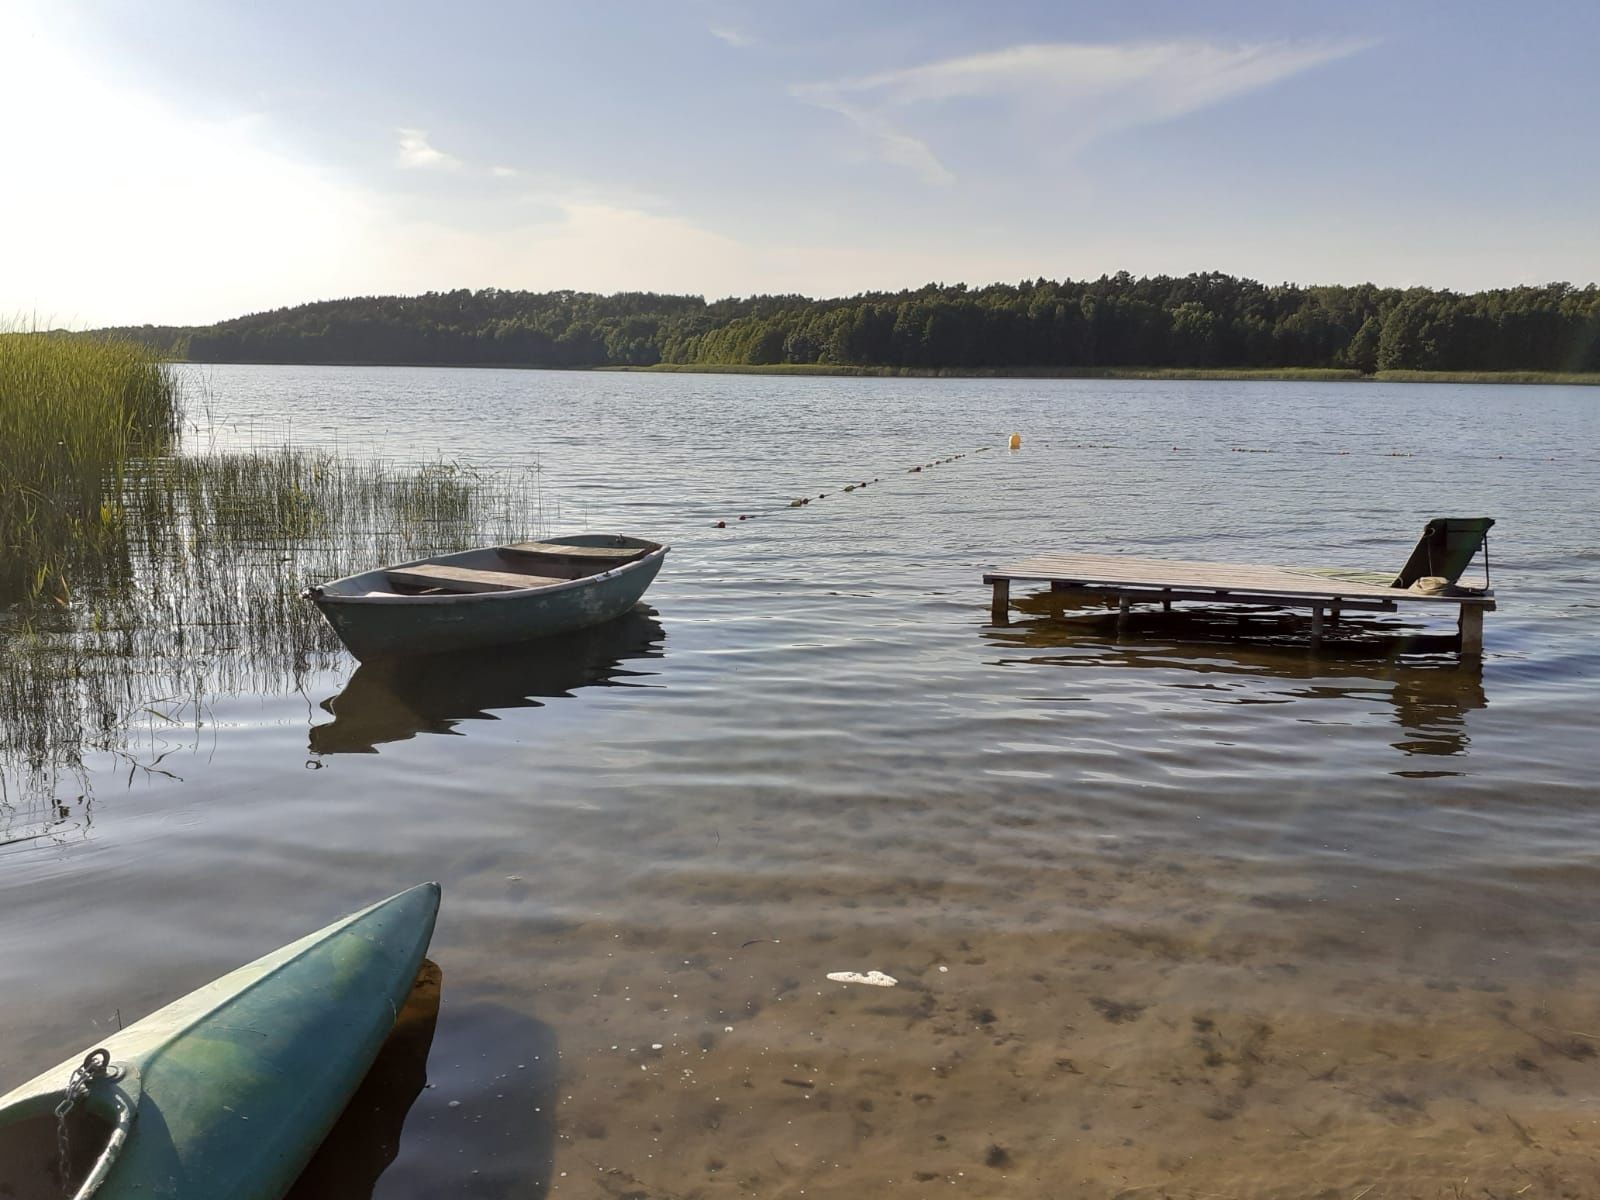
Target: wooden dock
[(1130, 581)]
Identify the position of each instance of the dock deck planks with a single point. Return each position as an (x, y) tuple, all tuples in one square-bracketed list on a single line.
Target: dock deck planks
[(1130, 580)]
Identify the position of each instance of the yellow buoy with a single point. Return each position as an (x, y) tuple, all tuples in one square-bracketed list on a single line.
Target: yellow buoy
[(1016, 441)]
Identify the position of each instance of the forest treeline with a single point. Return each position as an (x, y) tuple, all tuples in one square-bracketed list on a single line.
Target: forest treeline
[(1204, 321)]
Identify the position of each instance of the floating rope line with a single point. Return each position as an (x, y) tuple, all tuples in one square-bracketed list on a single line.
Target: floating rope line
[(803, 501)]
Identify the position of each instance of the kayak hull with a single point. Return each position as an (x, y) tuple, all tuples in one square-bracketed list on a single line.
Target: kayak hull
[(229, 1091)]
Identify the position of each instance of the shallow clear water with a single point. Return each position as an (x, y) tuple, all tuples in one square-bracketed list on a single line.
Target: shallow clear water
[(1171, 913)]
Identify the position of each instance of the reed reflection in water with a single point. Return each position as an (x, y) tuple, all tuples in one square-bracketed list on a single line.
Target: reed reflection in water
[(200, 601), (392, 700)]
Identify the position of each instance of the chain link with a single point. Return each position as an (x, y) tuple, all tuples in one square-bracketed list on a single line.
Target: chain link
[(93, 1067)]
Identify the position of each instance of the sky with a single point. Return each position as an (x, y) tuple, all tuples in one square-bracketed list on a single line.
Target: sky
[(185, 161)]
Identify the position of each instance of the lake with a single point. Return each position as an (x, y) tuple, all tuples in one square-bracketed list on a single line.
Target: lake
[(1171, 913)]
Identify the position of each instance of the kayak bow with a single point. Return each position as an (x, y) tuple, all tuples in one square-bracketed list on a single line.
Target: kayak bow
[(226, 1093)]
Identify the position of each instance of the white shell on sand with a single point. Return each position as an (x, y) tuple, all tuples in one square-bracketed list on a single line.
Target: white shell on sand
[(871, 978)]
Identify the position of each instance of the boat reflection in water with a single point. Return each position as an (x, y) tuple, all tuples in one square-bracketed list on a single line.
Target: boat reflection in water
[(390, 700), (366, 1138), (1420, 673)]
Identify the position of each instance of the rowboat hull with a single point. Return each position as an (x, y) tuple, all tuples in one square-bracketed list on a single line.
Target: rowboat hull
[(226, 1093), (375, 623)]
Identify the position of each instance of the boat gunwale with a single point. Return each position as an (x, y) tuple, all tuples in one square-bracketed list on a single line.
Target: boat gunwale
[(321, 595), (145, 1040)]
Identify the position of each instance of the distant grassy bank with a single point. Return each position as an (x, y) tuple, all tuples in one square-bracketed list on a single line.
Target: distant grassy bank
[(1579, 378), (1313, 374), (1316, 373), (1303, 374)]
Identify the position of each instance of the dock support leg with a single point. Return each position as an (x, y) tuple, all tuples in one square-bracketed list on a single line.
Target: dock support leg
[(1333, 616), (1122, 613), (1316, 625), (1166, 604), (1471, 625), (1060, 585), (1000, 606)]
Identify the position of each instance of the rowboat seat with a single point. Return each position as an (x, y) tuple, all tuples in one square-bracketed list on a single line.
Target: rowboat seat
[(613, 554), (465, 579)]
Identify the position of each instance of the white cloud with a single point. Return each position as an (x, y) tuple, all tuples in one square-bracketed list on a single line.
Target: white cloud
[(892, 143), (732, 36), (1084, 90), (505, 172), (417, 154)]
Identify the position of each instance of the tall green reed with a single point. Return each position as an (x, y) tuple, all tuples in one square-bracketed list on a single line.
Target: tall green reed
[(199, 597), (73, 412), (138, 582)]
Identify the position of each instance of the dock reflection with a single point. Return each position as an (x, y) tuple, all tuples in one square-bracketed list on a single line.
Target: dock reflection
[(390, 700), (1421, 675)]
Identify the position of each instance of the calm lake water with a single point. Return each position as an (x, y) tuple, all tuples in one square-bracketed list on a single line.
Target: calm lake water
[(1172, 914)]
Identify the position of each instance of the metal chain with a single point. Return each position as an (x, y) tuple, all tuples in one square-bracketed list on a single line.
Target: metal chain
[(93, 1067)]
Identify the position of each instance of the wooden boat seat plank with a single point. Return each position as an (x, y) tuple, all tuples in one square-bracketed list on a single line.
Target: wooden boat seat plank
[(608, 553), (466, 579)]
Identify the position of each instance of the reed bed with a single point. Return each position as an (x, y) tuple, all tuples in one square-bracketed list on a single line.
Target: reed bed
[(198, 596), (73, 412)]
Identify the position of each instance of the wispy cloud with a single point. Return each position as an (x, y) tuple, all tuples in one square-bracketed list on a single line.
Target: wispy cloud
[(727, 33), (417, 154), (1085, 90), (880, 123)]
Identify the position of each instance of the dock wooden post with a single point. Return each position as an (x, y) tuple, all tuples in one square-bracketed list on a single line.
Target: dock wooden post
[(1000, 607), (1316, 624), (1123, 605), (1471, 625)]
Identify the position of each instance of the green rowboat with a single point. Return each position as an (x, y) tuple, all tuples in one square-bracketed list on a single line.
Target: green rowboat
[(495, 596), (226, 1093)]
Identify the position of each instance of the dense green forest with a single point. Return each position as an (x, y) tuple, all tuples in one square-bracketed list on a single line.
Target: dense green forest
[(1203, 321)]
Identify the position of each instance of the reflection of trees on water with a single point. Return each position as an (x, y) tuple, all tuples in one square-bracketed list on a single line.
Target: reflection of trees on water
[(1421, 674), (392, 700), (201, 600)]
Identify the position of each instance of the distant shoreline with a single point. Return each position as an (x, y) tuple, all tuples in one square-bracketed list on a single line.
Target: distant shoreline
[(1243, 374), (1237, 374)]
